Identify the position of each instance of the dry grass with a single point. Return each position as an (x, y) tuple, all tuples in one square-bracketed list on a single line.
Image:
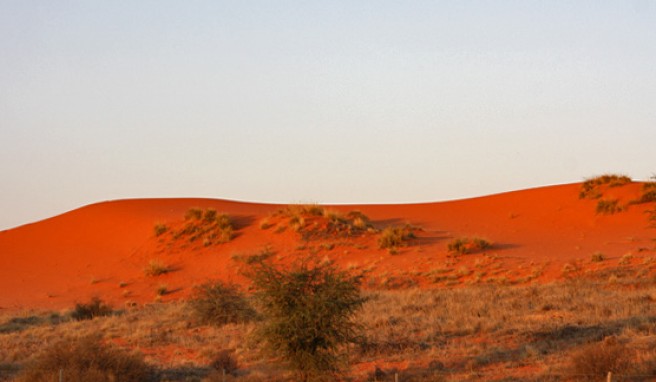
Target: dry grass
[(597, 257), (395, 236), (648, 192), (160, 229), (591, 187), (94, 308), (156, 268), (609, 206), (465, 245), (86, 360), (481, 332), (312, 221), (205, 226)]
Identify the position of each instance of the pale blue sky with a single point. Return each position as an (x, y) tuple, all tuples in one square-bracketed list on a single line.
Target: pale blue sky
[(318, 101)]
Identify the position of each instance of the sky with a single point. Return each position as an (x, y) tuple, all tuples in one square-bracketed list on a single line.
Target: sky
[(318, 101)]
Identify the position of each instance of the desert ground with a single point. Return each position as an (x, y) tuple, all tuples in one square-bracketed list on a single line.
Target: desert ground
[(524, 285)]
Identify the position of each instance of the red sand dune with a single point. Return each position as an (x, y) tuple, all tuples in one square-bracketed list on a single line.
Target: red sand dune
[(102, 249)]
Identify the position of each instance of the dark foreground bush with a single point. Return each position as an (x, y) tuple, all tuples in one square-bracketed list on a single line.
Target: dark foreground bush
[(218, 303), (594, 361), (224, 361), (86, 360), (94, 308), (308, 316)]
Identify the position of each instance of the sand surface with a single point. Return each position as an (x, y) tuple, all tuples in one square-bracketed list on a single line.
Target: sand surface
[(102, 249)]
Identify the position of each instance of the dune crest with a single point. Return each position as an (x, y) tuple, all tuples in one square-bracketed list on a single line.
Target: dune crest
[(104, 249)]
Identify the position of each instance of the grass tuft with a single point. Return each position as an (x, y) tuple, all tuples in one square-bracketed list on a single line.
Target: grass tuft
[(156, 268), (590, 189), (395, 236), (94, 308), (465, 245), (609, 206)]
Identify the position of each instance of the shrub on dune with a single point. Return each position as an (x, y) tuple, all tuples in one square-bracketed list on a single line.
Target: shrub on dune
[(94, 308), (590, 187), (218, 303), (395, 236), (465, 245)]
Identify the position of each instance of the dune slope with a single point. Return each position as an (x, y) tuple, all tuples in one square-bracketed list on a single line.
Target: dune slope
[(103, 249)]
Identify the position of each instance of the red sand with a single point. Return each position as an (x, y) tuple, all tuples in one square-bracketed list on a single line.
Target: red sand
[(102, 249)]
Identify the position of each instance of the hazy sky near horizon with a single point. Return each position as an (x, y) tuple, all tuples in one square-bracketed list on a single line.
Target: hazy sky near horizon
[(318, 101)]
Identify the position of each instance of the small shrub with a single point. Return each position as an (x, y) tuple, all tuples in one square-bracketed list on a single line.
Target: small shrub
[(608, 207), (95, 308), (156, 268), (193, 214), (590, 187), (594, 361), (465, 245), (597, 257), (160, 229), (265, 224), (626, 259), (162, 290), (225, 361), (218, 303), (316, 222), (208, 226), (260, 256), (395, 236), (209, 215), (648, 192), (86, 360), (359, 220)]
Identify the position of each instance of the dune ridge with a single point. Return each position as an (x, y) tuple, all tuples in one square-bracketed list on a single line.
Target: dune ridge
[(102, 249)]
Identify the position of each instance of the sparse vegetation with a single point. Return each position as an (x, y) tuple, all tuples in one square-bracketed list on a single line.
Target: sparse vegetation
[(597, 257), (193, 214), (94, 308), (608, 206), (156, 268), (217, 303), (492, 331), (86, 360), (590, 189), (206, 226), (395, 236), (316, 222), (465, 245), (160, 229), (593, 362), (648, 192), (263, 254), (308, 315), (225, 361)]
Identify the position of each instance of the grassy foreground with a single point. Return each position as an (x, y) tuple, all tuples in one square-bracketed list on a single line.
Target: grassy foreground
[(576, 329)]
